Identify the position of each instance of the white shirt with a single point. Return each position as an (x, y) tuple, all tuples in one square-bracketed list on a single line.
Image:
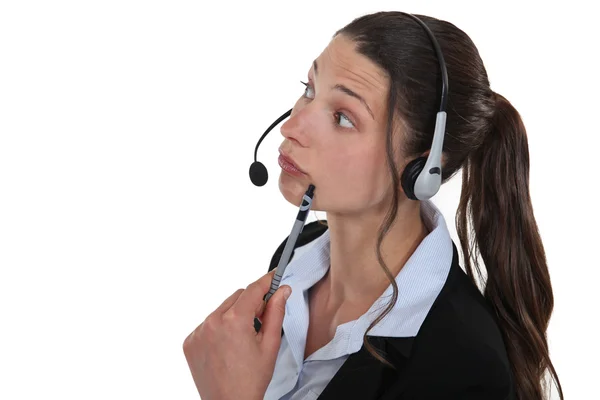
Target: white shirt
[(419, 283)]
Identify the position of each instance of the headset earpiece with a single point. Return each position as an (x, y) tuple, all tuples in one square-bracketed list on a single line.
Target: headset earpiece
[(410, 175)]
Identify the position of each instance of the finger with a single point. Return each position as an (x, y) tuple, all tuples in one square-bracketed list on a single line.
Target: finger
[(272, 320), (261, 309), (249, 302), (230, 301)]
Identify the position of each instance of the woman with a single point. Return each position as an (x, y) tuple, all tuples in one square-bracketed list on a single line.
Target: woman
[(380, 308)]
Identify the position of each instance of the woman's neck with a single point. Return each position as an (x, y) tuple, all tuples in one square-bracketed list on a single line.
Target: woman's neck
[(355, 278)]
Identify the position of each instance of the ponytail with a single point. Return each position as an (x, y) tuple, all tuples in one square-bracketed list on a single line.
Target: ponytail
[(496, 204)]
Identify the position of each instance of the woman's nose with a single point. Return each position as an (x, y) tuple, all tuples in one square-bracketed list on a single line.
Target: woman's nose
[(293, 129)]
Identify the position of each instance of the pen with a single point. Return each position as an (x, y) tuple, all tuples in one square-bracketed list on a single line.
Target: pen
[(290, 244)]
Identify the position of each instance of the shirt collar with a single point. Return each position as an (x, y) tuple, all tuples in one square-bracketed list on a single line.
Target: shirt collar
[(419, 281)]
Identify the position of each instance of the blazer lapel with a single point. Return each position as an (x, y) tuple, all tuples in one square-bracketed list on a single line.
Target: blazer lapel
[(364, 377)]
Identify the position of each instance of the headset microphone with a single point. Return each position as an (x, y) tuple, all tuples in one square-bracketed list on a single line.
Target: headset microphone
[(258, 171)]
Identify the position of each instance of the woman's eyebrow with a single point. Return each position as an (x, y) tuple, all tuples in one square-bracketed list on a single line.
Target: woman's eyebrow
[(346, 90), (349, 92)]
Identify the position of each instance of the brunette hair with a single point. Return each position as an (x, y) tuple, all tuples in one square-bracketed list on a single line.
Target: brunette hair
[(485, 136)]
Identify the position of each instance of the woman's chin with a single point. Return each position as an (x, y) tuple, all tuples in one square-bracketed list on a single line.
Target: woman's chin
[(293, 188)]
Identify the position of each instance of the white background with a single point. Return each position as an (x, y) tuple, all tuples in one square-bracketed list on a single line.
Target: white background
[(126, 213)]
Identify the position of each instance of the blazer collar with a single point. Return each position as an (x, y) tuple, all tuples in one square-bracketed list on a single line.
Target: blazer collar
[(362, 376)]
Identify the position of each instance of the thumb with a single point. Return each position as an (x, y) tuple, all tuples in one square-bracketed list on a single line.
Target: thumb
[(272, 319)]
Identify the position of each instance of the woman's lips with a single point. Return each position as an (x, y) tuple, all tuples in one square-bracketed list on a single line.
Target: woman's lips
[(288, 166)]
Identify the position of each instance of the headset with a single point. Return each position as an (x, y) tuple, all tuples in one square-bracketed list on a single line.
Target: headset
[(422, 177)]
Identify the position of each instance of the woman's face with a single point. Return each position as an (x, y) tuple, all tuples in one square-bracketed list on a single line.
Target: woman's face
[(337, 139)]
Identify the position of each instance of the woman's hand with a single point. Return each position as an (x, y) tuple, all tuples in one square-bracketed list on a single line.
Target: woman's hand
[(227, 358)]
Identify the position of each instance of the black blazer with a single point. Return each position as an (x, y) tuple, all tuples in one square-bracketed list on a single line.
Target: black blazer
[(458, 352)]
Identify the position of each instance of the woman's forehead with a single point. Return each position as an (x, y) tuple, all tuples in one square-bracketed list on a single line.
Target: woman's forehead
[(341, 54), (341, 65)]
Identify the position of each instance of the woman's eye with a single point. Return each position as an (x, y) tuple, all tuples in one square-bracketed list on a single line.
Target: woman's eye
[(339, 117), (342, 117), (308, 87)]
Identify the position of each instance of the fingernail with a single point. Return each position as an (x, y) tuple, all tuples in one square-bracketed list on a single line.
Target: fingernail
[(287, 292)]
